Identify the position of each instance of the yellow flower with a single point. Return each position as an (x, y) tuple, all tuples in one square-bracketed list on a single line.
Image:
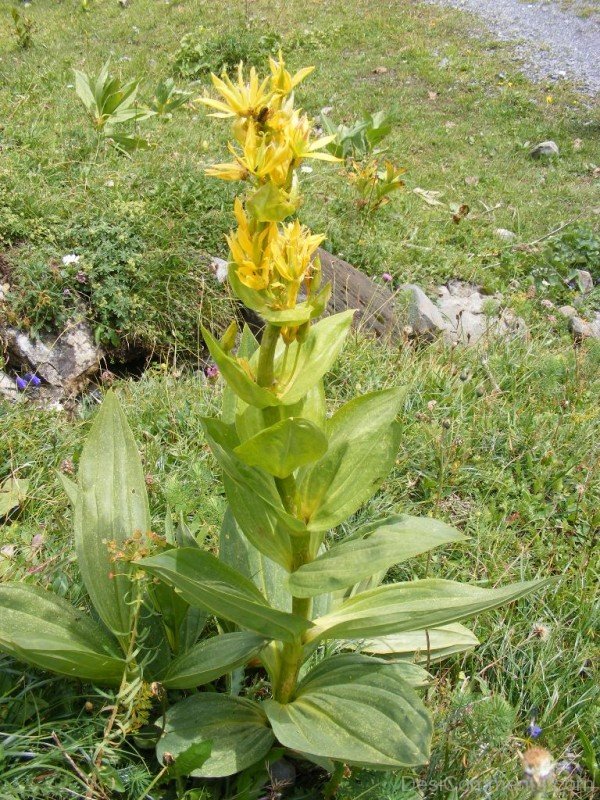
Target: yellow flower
[(250, 250), (241, 99), (291, 251), (297, 133), (261, 157), (282, 82)]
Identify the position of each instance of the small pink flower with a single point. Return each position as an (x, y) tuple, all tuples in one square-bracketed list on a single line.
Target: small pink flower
[(387, 277), (212, 371)]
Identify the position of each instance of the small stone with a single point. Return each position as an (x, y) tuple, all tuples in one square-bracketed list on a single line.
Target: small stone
[(471, 180), (585, 330), (422, 315), (219, 268), (577, 144), (504, 233), (567, 311), (544, 150), (380, 70), (584, 280)]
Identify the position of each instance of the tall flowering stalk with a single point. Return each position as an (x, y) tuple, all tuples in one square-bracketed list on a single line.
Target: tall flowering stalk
[(325, 620)]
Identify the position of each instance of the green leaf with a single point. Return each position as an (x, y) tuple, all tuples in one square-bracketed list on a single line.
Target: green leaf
[(205, 581), (301, 366), (191, 760), (241, 383), (84, 90), (268, 576), (211, 658), (112, 505), (423, 646), (270, 204), (71, 488), (283, 447), (358, 710), (374, 548), (12, 493), (398, 607), (46, 631), (301, 313), (254, 499), (237, 729), (363, 442)]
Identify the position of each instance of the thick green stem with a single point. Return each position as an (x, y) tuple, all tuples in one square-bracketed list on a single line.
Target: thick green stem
[(291, 656)]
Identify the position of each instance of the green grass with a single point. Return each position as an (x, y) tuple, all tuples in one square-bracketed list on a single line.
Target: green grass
[(501, 440)]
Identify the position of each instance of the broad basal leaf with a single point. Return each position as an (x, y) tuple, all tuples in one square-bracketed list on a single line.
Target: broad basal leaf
[(209, 659), (283, 447), (398, 607), (237, 729), (363, 442), (205, 581), (358, 710), (112, 505), (423, 646), (374, 548), (42, 629)]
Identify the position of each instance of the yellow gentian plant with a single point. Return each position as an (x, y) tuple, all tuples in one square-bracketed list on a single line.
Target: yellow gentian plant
[(340, 651)]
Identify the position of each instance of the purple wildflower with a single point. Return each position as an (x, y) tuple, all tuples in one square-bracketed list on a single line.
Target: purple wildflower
[(387, 277), (21, 384), (212, 371), (32, 379), (534, 730)]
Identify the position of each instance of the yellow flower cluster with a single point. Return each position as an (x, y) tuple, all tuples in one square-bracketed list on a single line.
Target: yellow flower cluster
[(272, 139)]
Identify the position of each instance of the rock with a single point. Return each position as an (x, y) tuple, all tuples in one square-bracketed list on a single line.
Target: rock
[(219, 268), (464, 308), (64, 361), (544, 150), (504, 233), (581, 329), (567, 311), (584, 280), (8, 387), (421, 314), (351, 288)]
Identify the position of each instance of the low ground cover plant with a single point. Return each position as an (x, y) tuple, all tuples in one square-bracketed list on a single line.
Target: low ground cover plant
[(334, 657)]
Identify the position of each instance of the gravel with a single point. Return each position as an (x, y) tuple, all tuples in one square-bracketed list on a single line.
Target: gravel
[(553, 42)]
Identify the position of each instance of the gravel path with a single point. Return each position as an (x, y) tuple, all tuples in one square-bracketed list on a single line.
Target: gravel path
[(553, 43)]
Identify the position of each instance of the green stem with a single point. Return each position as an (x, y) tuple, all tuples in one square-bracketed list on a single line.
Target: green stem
[(266, 358), (333, 784)]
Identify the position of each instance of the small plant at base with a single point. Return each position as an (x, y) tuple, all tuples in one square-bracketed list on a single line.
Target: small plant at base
[(110, 103), (357, 146), (23, 28), (167, 98)]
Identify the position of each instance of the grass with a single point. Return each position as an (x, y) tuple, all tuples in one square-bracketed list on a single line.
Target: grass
[(501, 440)]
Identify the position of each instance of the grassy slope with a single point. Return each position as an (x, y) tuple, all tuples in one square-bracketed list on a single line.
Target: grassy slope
[(514, 468)]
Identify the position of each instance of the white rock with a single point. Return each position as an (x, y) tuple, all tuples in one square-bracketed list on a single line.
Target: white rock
[(584, 280), (581, 329), (544, 150), (567, 311), (219, 268), (504, 233), (422, 315)]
